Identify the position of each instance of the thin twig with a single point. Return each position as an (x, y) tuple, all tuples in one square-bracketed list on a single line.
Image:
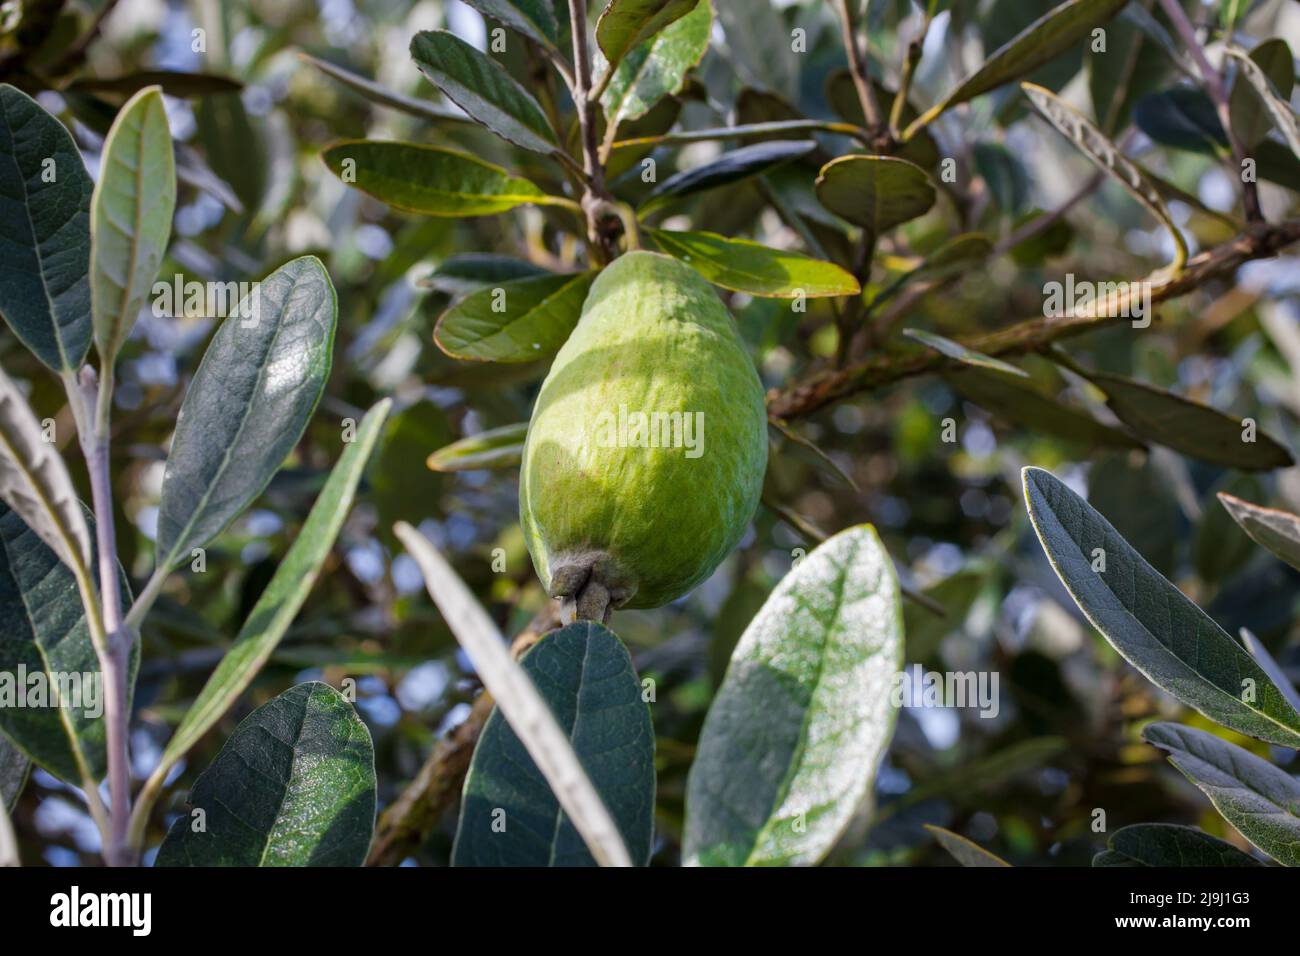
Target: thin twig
[(595, 198), (858, 65)]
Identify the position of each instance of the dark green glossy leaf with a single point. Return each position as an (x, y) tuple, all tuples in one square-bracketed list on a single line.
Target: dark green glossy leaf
[(755, 268), (1150, 622), (1167, 844), (1278, 531), (1248, 106), (534, 19), (465, 273), (483, 89), (626, 24), (283, 596), (495, 448), (14, 770), (130, 218), (728, 168), (955, 350), (1181, 117), (45, 225), (1257, 798), (249, 402), (790, 746), (293, 786), (964, 851), (1024, 404), (875, 192), (43, 632), (234, 146), (429, 179), (1044, 39), (657, 68), (509, 816), (519, 321), (1188, 427)]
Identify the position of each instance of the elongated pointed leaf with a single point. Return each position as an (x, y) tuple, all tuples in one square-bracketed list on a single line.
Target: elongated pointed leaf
[(520, 702), (1013, 400), (293, 786), (1104, 154), (955, 350), (1189, 427), (875, 192), (283, 596), (534, 19), (45, 648), (45, 229), (586, 678), (428, 179), (1167, 844), (1260, 90), (657, 67), (626, 24), (1271, 667), (519, 321), (1150, 622), (462, 274), (1048, 36), (964, 851), (495, 448), (791, 743), (1278, 531), (131, 217), (482, 88), (1259, 799), (35, 483), (728, 168), (249, 403), (14, 770), (384, 96), (755, 268), (1276, 105)]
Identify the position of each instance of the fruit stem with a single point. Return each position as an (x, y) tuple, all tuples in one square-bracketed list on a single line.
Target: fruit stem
[(589, 604)]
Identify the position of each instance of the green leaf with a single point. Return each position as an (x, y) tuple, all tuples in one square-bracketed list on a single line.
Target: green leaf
[(293, 786), (586, 678), (875, 192), (495, 448), (458, 275), (955, 350), (1024, 404), (657, 67), (172, 82), (1045, 38), (626, 24), (131, 217), (790, 746), (14, 770), (964, 851), (481, 87), (384, 96), (45, 208), (1104, 154), (1276, 104), (1219, 547), (1278, 531), (1167, 844), (519, 321), (430, 180), (283, 596), (233, 144), (1127, 69), (1150, 622), (754, 268), (728, 168), (35, 483), (45, 633), (247, 406), (534, 19), (1182, 117), (1004, 175), (400, 486), (1188, 427), (1257, 798)]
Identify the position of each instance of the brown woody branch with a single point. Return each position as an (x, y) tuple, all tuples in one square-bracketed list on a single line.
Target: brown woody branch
[(407, 821), (1258, 241)]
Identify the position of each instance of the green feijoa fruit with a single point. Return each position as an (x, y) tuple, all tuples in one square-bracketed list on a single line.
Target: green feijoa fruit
[(646, 451)]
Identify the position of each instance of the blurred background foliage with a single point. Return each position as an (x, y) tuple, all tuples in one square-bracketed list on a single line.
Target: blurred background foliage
[(254, 193)]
